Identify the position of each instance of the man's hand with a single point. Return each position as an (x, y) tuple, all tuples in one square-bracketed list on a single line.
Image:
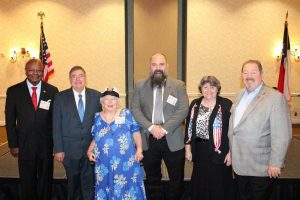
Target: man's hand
[(274, 172), (157, 132), (14, 152), (59, 156)]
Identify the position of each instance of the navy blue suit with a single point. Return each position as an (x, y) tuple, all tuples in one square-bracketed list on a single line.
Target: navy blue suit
[(73, 137)]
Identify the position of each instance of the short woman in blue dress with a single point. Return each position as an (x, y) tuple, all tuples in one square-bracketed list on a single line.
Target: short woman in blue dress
[(116, 149)]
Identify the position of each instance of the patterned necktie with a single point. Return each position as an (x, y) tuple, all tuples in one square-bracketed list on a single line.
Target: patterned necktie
[(80, 107), (158, 109), (34, 97)]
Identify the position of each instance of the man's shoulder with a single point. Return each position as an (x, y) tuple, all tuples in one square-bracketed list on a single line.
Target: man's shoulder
[(15, 86), (272, 93), (175, 81), (93, 91), (141, 83), (49, 86)]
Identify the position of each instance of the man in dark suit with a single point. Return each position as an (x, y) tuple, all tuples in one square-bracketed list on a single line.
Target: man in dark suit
[(160, 105), (28, 115), (73, 117)]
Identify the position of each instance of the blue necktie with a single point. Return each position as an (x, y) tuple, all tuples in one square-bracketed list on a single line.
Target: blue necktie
[(80, 107)]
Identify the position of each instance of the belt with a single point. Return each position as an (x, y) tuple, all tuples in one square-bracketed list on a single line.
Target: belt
[(201, 140)]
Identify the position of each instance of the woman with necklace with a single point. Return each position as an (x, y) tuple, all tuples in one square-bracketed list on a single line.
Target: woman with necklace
[(116, 149), (206, 143)]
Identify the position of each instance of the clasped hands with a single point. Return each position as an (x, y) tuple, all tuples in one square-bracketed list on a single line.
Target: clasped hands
[(157, 132)]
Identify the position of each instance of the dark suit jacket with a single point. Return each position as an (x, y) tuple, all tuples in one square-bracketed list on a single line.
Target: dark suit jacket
[(224, 148), (27, 129), (70, 135)]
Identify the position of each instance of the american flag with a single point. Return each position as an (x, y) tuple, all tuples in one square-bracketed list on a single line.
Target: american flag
[(45, 56), (217, 130), (285, 65)]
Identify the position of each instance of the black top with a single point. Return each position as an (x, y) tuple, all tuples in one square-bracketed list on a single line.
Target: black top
[(225, 104)]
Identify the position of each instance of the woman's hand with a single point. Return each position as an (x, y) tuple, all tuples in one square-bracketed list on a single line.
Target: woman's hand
[(227, 160), (138, 156), (188, 155), (188, 152), (91, 156)]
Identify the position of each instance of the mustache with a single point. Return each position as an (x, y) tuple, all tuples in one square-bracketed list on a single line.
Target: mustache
[(158, 71)]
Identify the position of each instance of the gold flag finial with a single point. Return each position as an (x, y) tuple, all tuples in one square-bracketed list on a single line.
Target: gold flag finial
[(41, 14)]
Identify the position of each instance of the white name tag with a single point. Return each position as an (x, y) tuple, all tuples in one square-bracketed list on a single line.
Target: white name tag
[(45, 104), (172, 100), (120, 120)]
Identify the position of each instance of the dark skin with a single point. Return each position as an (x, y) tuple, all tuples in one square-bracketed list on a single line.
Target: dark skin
[(34, 74)]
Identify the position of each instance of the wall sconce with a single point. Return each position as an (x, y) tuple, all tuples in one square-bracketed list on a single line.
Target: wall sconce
[(295, 53), (23, 54)]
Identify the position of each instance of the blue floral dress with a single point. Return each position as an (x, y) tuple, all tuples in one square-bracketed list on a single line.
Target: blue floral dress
[(118, 175)]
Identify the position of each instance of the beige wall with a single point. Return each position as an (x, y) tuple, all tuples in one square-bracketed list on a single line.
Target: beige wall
[(222, 34), (155, 30), (87, 33)]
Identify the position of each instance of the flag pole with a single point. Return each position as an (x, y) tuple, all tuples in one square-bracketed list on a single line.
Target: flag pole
[(41, 14)]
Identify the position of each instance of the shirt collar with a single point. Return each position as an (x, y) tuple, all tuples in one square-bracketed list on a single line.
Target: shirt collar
[(77, 93), (29, 85), (255, 91)]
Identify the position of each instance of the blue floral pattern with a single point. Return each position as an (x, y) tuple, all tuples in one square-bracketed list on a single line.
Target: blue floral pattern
[(118, 175)]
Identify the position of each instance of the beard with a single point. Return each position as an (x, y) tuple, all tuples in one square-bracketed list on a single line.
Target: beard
[(158, 78)]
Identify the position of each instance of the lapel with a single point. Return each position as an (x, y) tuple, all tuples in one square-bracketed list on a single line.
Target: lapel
[(149, 95), (26, 95), (253, 104), (43, 94), (167, 91), (72, 102), (214, 112), (88, 104)]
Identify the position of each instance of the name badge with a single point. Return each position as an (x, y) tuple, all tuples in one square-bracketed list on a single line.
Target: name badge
[(172, 100), (45, 104), (120, 120)]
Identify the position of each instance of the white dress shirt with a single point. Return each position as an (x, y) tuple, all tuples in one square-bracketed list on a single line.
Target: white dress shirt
[(38, 89), (77, 98), (244, 103)]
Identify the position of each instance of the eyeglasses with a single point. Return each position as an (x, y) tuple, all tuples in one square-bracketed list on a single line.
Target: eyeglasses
[(39, 71), (81, 76)]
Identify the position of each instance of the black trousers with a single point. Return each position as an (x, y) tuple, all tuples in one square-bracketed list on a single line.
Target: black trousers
[(80, 175), (158, 150), (254, 188), (36, 178)]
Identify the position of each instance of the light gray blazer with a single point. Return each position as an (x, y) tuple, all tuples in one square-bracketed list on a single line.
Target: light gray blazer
[(174, 115), (262, 136)]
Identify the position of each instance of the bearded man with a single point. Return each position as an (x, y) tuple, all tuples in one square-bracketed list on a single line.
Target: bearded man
[(160, 105)]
